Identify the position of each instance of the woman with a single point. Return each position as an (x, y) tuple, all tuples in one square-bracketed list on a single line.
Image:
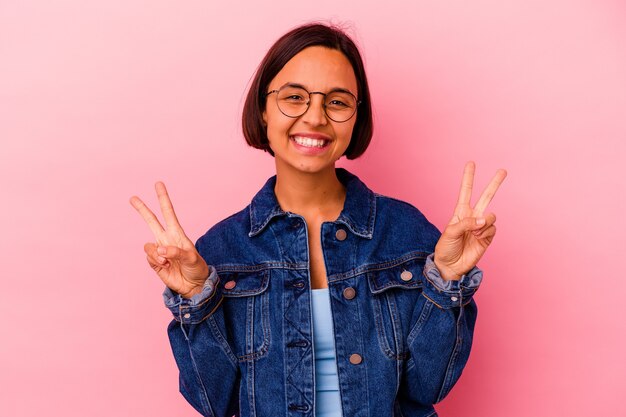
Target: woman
[(320, 298)]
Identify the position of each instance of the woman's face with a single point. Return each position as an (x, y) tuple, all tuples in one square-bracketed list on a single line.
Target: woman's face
[(312, 142)]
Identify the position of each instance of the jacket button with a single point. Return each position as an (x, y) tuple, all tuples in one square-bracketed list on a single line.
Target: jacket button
[(187, 315), (230, 285), (355, 359), (341, 234), (349, 293), (406, 275)]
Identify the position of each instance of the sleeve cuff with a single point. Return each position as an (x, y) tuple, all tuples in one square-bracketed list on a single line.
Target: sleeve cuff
[(195, 309), (449, 293)]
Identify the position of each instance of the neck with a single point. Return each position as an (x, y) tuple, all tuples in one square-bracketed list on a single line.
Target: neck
[(310, 194)]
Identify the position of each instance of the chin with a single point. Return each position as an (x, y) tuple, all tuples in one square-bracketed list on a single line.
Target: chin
[(313, 168), (308, 167)]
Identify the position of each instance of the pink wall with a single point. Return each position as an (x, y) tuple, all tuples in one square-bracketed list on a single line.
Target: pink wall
[(98, 100)]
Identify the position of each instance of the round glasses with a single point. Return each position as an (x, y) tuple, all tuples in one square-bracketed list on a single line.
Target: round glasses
[(294, 100)]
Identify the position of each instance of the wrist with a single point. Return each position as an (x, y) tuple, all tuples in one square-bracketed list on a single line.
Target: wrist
[(193, 291), (446, 272), (196, 286)]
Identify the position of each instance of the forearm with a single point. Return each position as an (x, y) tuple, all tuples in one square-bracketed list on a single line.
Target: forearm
[(208, 370), (441, 336)]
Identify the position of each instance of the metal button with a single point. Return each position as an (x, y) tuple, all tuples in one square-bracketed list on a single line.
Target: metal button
[(406, 275), (454, 298), (355, 359), (341, 234), (299, 284), (187, 315), (349, 293), (230, 285)]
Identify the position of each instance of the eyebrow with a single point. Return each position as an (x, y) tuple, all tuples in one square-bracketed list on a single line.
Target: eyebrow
[(343, 90)]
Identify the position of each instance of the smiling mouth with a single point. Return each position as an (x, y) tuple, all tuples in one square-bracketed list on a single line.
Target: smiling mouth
[(310, 142)]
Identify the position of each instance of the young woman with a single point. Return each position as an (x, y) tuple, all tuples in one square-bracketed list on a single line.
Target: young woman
[(320, 298)]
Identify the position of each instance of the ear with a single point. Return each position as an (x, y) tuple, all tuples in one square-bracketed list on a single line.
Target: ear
[(264, 115)]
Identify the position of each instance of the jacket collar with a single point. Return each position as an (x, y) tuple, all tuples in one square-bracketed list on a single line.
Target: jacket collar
[(358, 214)]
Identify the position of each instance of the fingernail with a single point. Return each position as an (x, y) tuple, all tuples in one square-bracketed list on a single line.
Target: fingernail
[(480, 221), (161, 250)]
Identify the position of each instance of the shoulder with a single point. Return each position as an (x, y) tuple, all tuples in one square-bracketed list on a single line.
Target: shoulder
[(391, 205), (404, 224), (228, 233)]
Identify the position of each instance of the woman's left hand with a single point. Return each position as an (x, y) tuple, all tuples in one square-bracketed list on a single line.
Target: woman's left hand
[(469, 232)]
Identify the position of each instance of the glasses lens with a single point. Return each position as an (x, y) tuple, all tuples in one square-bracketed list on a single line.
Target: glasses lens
[(292, 101), (340, 105)]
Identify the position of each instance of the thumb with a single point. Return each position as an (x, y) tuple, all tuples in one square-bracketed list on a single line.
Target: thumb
[(468, 224)]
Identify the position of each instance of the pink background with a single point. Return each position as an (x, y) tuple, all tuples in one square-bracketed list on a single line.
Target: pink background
[(98, 100)]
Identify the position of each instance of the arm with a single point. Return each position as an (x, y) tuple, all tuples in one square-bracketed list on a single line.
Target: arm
[(441, 336), (208, 375), (444, 317)]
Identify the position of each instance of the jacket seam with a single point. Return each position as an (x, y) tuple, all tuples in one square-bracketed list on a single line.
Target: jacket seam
[(378, 266), (205, 396), (453, 357)]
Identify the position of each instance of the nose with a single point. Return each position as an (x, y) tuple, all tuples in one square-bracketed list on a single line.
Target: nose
[(315, 114)]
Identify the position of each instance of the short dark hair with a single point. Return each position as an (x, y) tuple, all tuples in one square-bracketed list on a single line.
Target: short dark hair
[(285, 48)]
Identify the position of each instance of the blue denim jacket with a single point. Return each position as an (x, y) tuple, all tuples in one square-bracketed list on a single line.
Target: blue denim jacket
[(244, 346)]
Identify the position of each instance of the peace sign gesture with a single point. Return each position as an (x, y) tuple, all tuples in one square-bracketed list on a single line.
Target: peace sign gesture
[(469, 232), (173, 256)]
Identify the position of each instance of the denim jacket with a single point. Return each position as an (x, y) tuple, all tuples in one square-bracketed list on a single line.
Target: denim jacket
[(244, 346)]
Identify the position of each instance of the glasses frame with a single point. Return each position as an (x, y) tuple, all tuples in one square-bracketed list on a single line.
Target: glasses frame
[(308, 103)]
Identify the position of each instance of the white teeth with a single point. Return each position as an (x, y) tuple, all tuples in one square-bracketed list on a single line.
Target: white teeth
[(319, 143)]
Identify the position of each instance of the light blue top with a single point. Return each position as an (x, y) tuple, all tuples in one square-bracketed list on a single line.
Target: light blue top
[(328, 402)]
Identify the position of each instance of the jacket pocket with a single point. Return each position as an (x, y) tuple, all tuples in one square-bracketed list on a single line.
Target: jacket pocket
[(395, 288), (246, 313)]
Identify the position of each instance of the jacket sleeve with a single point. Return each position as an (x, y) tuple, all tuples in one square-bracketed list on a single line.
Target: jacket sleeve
[(209, 376), (441, 334)]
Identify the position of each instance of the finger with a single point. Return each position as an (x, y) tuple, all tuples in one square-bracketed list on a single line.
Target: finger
[(455, 219), (468, 224), (487, 234), (147, 215), (490, 219), (150, 248), (176, 253), (489, 192), (465, 194), (156, 265), (166, 205), (154, 257)]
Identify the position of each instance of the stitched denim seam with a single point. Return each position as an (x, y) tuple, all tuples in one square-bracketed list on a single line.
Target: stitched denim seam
[(396, 326), (205, 397), (222, 341), (233, 268), (461, 303), (377, 266), (380, 329), (448, 379), (264, 281), (264, 348), (421, 320)]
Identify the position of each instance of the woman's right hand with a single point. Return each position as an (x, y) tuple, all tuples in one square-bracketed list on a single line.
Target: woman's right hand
[(174, 257)]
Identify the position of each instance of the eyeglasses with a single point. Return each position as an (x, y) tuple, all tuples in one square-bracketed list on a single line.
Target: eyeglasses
[(293, 100)]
